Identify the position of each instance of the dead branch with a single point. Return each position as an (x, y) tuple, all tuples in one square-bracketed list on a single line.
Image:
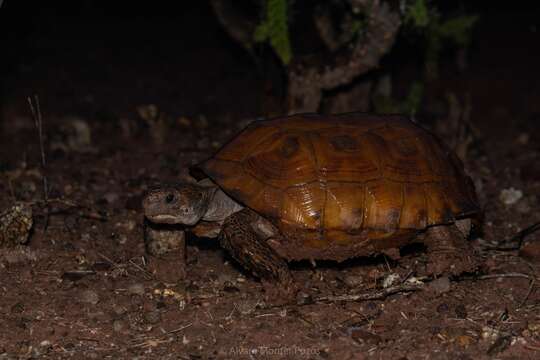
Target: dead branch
[(497, 276), (529, 292), (378, 294), (308, 77), (333, 37), (123, 268), (531, 278), (516, 241), (152, 341), (38, 122), (82, 210), (350, 54), (240, 28)]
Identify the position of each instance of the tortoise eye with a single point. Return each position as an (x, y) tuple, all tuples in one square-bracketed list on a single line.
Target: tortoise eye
[(169, 199)]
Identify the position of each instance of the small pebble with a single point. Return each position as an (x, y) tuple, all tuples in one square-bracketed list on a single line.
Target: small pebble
[(203, 143), (28, 187), (92, 355), (353, 281), (152, 317), (111, 197), (524, 206), (229, 287), (184, 121), (389, 280), (119, 310), (523, 139), (442, 308), (136, 289), (303, 298), (36, 352), (501, 344), (202, 123), (489, 333), (17, 308), (245, 307), (364, 337), (223, 278), (128, 225), (97, 315), (440, 285), (89, 297), (534, 328), (464, 340), (119, 325), (191, 287), (122, 239), (531, 252), (45, 344), (510, 196), (461, 311), (68, 189)]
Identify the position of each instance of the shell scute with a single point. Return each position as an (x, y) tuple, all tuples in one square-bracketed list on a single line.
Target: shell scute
[(283, 159)]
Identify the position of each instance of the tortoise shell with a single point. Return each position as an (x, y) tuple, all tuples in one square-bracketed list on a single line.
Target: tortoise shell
[(343, 185)]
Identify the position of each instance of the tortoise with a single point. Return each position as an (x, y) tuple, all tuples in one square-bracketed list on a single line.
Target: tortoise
[(330, 187)]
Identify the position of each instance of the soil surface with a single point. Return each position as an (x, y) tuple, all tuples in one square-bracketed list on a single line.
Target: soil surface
[(132, 103)]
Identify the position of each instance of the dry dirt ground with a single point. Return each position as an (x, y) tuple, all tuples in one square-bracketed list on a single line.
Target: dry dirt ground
[(84, 286)]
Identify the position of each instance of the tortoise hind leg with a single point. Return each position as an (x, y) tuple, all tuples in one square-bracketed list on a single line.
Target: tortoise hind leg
[(240, 239), (449, 251)]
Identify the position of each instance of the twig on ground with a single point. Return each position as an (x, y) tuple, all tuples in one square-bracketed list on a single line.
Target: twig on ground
[(516, 241), (84, 211), (11, 190), (147, 273), (529, 292), (152, 341), (380, 294), (502, 275), (117, 266), (89, 339), (123, 267), (532, 282), (532, 347), (38, 122), (371, 295)]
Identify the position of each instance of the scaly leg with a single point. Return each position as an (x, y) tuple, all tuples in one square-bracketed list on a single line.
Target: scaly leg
[(449, 251), (239, 238)]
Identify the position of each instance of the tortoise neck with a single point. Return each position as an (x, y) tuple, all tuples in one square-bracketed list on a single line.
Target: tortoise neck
[(220, 207)]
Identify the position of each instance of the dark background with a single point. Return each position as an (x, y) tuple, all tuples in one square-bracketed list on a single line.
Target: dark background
[(181, 59)]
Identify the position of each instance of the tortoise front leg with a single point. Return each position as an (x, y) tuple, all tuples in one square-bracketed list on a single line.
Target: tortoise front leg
[(240, 239), (449, 251)]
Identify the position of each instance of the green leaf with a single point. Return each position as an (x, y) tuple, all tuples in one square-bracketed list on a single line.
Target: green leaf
[(458, 28), (418, 14), (275, 29), (409, 105), (414, 98), (261, 32)]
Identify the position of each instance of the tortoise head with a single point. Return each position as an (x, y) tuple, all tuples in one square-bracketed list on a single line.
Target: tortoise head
[(183, 204)]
